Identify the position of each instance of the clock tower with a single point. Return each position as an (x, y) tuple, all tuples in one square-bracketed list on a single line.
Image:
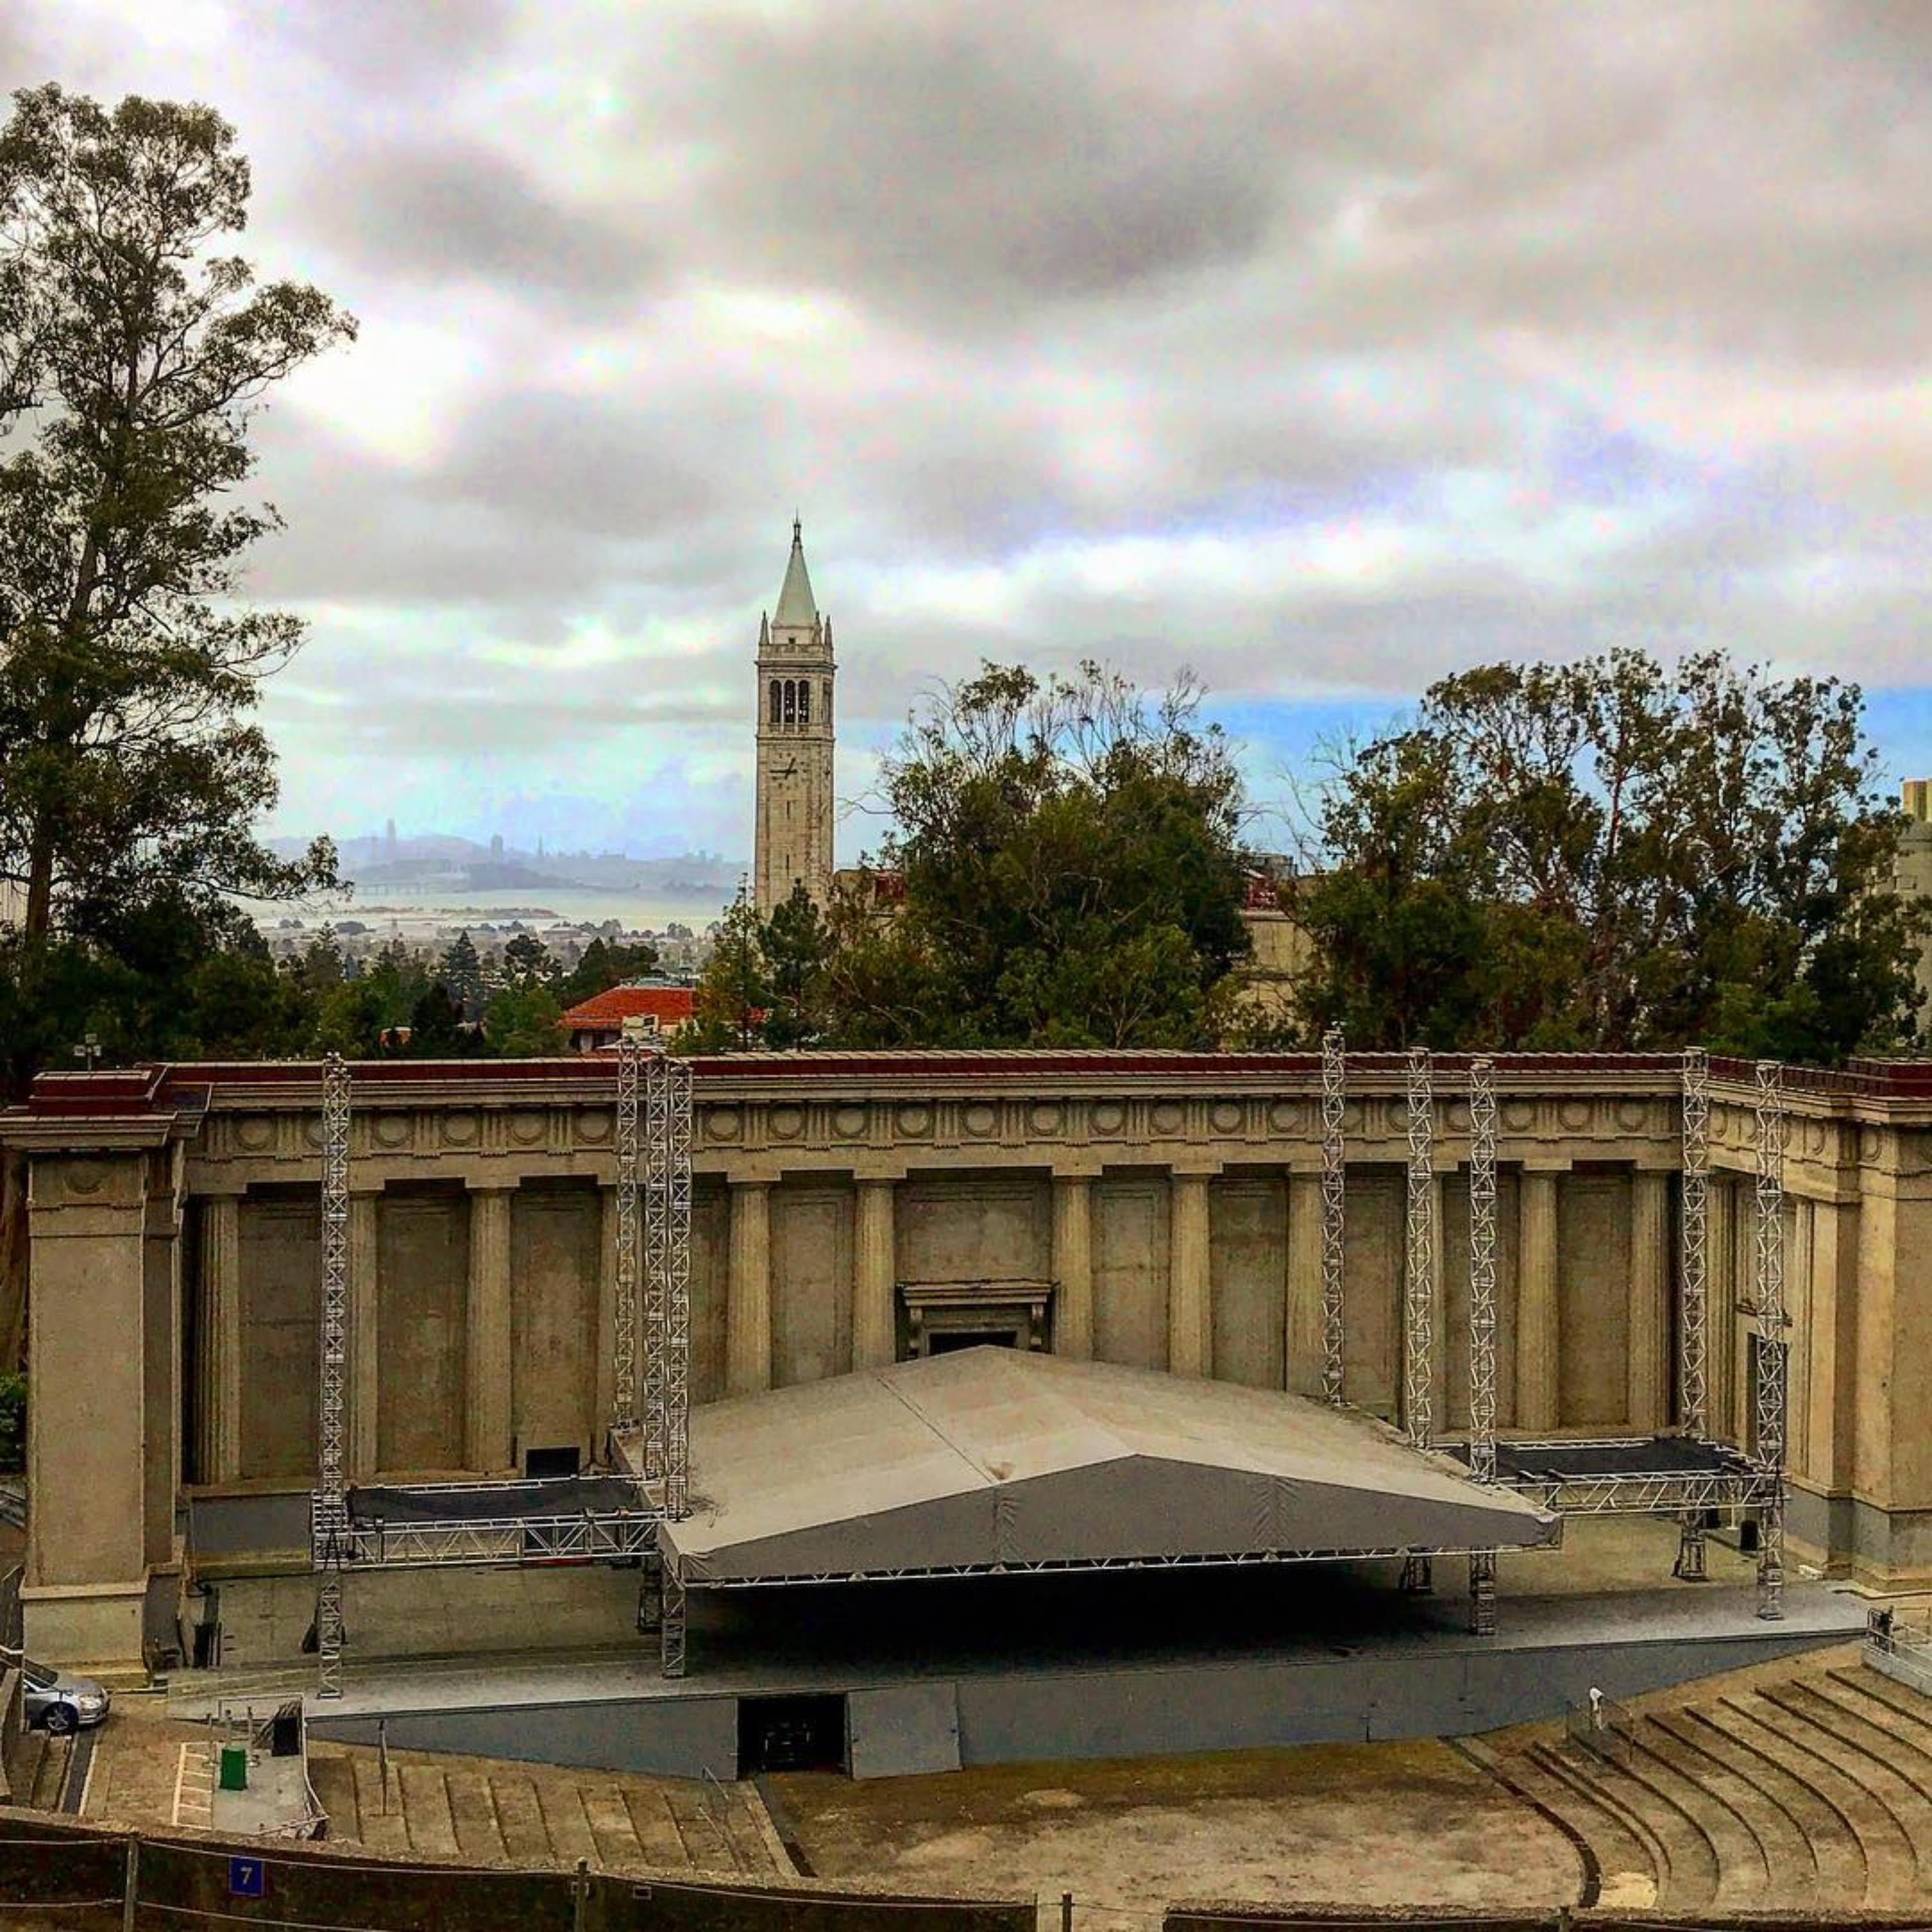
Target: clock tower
[(792, 839)]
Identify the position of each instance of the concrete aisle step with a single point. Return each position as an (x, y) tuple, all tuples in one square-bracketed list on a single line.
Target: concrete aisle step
[(751, 1830), (1694, 1870), (1866, 1754), (1602, 1818), (426, 1813), (610, 1822), (1617, 1853), (705, 1846), (565, 1824), (1790, 1858), (50, 1784), (333, 1781), (521, 1818), (1891, 1868), (654, 1830), (1913, 1712), (472, 1816), (1746, 1870), (381, 1824)]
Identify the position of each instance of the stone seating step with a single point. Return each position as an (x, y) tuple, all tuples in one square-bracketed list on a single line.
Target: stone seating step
[(1742, 1832), (1619, 1840)]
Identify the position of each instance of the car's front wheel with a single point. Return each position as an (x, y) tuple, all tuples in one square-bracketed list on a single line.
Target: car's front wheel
[(62, 1720)]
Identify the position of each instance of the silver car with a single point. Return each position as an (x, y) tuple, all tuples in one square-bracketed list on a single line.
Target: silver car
[(59, 1703)]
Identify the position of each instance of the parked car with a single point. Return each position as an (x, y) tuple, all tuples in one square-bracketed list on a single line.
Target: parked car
[(59, 1703)]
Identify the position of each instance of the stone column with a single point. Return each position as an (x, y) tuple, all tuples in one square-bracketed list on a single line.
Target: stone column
[(365, 1338), (1190, 1311), (218, 1314), (1538, 1336), (747, 1296), (1304, 1365), (1073, 1266), (487, 1447), (1650, 1272), (87, 1449), (874, 1329), (161, 1349)]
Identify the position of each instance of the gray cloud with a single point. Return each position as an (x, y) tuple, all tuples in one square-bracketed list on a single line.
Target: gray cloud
[(1325, 347)]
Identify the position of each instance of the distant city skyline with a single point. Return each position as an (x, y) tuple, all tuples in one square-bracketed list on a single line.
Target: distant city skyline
[(1326, 348)]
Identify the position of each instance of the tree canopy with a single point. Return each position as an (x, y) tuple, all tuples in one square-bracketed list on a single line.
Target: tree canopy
[(1066, 873), (1611, 855)]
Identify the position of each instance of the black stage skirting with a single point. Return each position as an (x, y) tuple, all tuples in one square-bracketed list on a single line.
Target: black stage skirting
[(1573, 1461), (572, 1496)]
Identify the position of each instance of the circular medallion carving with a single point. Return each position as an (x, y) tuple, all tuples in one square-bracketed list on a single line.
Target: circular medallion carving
[(1109, 1117), (527, 1130), (1045, 1116), (1226, 1117), (980, 1118), (1518, 1116), (1285, 1117), (1573, 1116), (255, 1133), (461, 1129), (391, 1130), (849, 1122), (723, 1123), (786, 1124), (1165, 1117), (1633, 1116), (915, 1122), (593, 1129), (83, 1177), (312, 1132)]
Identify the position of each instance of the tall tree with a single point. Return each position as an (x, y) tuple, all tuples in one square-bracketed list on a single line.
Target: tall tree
[(460, 973), (1067, 872), (133, 358), (795, 943), (734, 992), (1613, 855)]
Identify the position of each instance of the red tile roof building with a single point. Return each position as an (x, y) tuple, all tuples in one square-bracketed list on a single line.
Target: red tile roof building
[(599, 1022)]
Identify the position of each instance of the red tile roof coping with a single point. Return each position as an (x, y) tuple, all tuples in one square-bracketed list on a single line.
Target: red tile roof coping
[(669, 1005)]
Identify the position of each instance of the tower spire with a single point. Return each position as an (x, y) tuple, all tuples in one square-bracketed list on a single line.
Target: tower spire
[(797, 609)]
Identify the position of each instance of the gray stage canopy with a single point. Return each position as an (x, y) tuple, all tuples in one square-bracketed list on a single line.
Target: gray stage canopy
[(991, 1458)]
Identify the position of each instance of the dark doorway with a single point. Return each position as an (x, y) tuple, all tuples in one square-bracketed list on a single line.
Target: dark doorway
[(790, 1734), (943, 1341), (539, 1464)]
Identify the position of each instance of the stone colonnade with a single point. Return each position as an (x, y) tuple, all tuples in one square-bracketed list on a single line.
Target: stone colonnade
[(1170, 1204)]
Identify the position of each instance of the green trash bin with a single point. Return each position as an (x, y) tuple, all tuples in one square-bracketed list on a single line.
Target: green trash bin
[(235, 1767)]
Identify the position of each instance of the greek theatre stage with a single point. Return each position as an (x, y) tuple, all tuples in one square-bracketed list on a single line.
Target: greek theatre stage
[(988, 1460)]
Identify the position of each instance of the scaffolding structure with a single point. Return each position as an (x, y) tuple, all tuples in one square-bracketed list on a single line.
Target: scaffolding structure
[(1334, 1210), (328, 1510), (1773, 1349), (1693, 1236), (624, 1306), (1418, 1298), (608, 1517), (1482, 1323)]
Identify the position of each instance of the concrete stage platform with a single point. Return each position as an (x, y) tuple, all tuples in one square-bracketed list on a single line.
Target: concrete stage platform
[(932, 1674)]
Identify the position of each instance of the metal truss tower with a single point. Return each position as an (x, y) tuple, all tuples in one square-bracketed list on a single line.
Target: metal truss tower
[(1692, 1232), (1773, 1344), (668, 1281), (624, 1302), (1334, 1209), (1418, 1298), (329, 1516), (1482, 1323)]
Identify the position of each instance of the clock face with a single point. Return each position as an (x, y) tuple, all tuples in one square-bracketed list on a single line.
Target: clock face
[(789, 769)]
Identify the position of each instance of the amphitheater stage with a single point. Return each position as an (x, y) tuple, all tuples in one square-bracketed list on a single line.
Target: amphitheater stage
[(922, 1675)]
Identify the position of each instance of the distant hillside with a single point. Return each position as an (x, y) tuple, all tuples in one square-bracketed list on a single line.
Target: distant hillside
[(438, 861)]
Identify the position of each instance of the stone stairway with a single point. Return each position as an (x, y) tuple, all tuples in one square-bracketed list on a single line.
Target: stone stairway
[(40, 1771), (1775, 1790)]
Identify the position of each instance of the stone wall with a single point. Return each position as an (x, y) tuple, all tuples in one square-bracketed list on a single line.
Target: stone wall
[(1172, 1201)]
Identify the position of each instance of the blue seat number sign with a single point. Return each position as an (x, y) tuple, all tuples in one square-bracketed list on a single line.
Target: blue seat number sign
[(246, 1878)]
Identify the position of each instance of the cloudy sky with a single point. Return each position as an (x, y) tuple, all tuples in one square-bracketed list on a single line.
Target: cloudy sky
[(1322, 347)]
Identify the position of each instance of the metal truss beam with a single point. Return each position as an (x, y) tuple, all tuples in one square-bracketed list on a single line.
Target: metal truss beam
[(497, 1542), (671, 1624), (676, 1380), (1334, 1210), (1259, 1559), (329, 1513), (1693, 1230), (1418, 1295), (1773, 1344)]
